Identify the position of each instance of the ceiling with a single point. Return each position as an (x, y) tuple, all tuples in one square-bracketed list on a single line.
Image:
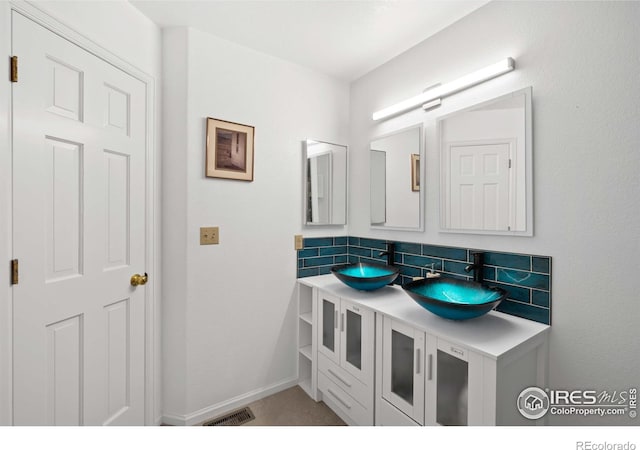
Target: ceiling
[(342, 38)]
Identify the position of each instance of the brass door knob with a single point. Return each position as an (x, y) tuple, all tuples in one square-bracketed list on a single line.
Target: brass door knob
[(139, 280)]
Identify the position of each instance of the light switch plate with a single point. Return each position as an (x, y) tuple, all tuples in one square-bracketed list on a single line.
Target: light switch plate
[(299, 245), (209, 235)]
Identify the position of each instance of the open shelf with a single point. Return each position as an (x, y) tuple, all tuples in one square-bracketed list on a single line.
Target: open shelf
[(307, 317), (306, 351), (306, 386)]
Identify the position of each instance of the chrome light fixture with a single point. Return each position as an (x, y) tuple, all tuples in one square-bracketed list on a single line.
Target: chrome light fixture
[(432, 97)]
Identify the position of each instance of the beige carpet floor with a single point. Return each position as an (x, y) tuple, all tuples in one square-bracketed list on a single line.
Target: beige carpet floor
[(291, 407)]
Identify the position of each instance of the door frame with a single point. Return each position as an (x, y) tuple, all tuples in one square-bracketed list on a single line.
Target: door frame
[(153, 413)]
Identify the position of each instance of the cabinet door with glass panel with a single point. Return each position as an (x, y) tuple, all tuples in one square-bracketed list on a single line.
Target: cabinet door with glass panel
[(454, 385), (346, 335), (403, 368)]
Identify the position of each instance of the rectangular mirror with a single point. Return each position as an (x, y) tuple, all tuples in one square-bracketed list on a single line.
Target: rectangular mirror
[(325, 183), (396, 193), (486, 184)]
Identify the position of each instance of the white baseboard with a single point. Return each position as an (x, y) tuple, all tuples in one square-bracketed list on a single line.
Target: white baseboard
[(228, 405)]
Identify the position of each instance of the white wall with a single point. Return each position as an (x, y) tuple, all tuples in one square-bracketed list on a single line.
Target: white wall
[(582, 60), (229, 327)]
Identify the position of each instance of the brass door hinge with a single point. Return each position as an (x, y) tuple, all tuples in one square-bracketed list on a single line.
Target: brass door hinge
[(14, 272), (14, 69)]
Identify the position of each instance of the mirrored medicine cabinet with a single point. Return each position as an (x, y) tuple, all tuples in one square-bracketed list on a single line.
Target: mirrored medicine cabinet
[(396, 192), (486, 167), (325, 183)]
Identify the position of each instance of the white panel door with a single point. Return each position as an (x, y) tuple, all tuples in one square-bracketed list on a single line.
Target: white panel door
[(79, 219), (480, 186)]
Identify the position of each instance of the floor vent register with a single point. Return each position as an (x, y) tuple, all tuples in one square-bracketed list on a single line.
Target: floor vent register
[(234, 418)]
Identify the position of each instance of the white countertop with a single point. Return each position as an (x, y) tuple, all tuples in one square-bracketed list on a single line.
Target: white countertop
[(493, 334)]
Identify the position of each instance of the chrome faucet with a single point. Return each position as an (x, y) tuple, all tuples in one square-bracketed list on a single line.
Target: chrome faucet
[(477, 266), (390, 252)]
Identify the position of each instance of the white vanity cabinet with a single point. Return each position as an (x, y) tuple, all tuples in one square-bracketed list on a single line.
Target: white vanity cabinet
[(345, 357), (426, 380), (452, 384), (401, 356), (379, 358)]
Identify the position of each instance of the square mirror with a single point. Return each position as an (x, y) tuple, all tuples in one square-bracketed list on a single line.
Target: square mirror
[(396, 190), (486, 184), (325, 183)]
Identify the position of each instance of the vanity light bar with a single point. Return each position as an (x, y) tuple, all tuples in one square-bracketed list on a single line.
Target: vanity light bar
[(443, 90)]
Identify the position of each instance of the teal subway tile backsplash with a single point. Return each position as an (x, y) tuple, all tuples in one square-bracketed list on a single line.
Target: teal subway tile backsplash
[(340, 240), (405, 247), (358, 251), (516, 293), (373, 243), (312, 272), (526, 278), (540, 298), (512, 261), (308, 253), (334, 250), (445, 252), (455, 267), (540, 264), (522, 278), (420, 261), (317, 262), (525, 311), (318, 255), (319, 242)]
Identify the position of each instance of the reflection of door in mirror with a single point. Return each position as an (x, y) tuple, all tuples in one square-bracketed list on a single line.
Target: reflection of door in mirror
[(395, 193), (378, 187), (486, 167), (319, 169), (325, 183), (480, 184)]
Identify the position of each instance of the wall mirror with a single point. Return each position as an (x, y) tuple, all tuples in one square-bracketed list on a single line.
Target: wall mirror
[(395, 179), (486, 167), (325, 183)]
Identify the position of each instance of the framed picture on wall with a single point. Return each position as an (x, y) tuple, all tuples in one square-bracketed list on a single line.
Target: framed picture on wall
[(415, 172), (229, 150)]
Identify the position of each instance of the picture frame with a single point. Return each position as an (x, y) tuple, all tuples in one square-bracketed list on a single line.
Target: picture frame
[(415, 172), (229, 150)]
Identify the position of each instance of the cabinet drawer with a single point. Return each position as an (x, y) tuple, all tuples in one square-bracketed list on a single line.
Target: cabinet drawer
[(347, 382), (356, 413)]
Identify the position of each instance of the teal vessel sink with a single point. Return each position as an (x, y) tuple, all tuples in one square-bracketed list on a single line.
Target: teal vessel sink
[(454, 299), (365, 276)]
